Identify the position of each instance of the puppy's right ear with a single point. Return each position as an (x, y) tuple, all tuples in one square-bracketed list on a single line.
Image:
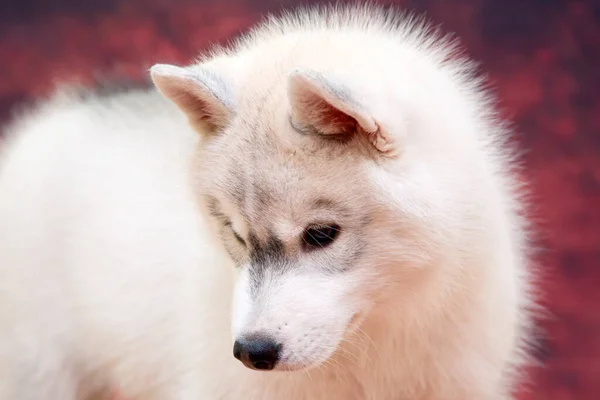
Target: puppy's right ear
[(202, 95)]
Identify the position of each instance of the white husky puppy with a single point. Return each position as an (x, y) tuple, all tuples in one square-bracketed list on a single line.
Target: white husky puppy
[(369, 240)]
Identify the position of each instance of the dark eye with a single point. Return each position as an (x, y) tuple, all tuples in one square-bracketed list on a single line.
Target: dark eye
[(320, 236), (235, 234), (239, 238)]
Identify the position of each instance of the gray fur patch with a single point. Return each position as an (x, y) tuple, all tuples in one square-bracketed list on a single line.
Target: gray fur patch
[(215, 85), (266, 256)]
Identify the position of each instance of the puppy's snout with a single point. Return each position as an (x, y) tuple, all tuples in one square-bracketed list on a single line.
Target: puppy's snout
[(258, 353)]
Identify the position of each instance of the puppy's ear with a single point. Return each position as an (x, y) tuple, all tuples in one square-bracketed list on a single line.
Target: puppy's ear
[(202, 95), (322, 104)]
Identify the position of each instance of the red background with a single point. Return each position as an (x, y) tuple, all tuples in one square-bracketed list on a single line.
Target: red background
[(544, 60)]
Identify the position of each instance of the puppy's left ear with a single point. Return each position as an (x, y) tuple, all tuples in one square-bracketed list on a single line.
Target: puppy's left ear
[(326, 106), (202, 95)]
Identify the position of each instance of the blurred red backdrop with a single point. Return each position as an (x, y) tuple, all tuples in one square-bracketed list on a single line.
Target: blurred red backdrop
[(543, 57)]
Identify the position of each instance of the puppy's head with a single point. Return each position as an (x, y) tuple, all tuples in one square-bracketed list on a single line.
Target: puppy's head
[(294, 173)]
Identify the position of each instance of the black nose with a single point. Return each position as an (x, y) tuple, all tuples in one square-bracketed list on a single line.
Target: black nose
[(257, 353)]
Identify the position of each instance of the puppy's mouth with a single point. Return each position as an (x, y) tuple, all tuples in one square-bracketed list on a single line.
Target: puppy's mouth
[(264, 355), (268, 355), (293, 365), (267, 360)]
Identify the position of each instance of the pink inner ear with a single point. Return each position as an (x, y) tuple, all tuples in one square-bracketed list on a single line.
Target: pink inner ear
[(198, 103), (192, 105), (325, 118), (316, 105)]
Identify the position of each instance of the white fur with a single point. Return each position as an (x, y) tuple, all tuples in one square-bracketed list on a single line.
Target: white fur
[(111, 277)]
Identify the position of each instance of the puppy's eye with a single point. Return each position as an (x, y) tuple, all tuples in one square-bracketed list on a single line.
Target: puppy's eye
[(239, 238), (235, 234), (320, 236)]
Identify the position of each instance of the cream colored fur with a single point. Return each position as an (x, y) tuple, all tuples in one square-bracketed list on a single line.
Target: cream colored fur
[(114, 275)]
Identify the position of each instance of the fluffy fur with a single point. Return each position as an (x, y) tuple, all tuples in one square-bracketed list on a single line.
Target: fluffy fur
[(139, 237)]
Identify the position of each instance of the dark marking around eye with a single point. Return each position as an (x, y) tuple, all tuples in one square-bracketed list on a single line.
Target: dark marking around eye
[(267, 256), (270, 252)]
